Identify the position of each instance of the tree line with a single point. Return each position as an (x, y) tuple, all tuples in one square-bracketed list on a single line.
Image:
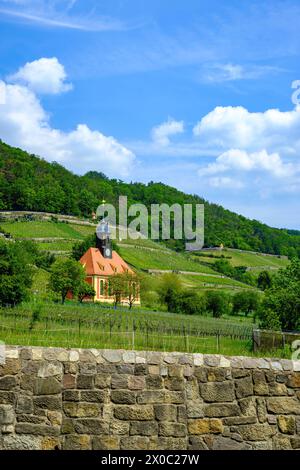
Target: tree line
[(28, 182)]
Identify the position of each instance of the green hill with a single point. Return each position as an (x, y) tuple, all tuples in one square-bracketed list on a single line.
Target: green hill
[(28, 182)]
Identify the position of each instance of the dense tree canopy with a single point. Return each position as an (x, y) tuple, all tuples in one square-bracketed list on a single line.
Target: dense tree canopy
[(67, 275), (15, 273), (30, 183), (281, 303)]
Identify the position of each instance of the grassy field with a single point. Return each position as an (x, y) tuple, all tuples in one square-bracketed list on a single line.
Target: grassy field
[(102, 327), (44, 229), (92, 326), (161, 259), (207, 281), (56, 246), (244, 258)]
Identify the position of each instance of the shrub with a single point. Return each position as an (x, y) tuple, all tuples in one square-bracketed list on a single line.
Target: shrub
[(217, 303)]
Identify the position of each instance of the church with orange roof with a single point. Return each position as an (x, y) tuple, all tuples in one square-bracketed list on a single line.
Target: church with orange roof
[(101, 263)]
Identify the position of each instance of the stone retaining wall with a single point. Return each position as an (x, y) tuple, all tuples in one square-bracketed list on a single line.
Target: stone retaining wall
[(110, 399)]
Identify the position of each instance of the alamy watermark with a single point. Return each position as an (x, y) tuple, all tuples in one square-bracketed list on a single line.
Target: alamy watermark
[(296, 350), (296, 95), (164, 222)]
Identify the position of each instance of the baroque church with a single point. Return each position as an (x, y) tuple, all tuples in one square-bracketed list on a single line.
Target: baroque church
[(101, 263)]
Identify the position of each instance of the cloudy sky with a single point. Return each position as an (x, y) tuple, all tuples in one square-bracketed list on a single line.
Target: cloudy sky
[(198, 94)]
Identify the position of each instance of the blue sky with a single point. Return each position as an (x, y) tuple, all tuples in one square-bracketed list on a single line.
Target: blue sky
[(194, 93)]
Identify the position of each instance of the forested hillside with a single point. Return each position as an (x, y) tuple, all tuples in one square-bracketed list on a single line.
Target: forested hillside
[(28, 182)]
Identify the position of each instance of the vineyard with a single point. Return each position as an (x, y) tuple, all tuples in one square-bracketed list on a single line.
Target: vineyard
[(104, 327)]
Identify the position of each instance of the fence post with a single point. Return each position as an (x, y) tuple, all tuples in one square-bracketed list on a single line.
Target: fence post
[(133, 333), (147, 335), (218, 342)]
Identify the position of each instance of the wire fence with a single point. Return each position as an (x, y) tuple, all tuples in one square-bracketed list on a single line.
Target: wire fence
[(125, 330)]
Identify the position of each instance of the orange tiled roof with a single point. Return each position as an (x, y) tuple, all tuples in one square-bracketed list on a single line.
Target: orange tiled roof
[(95, 264)]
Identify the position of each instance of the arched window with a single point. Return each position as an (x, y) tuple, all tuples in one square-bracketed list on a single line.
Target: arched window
[(101, 287)]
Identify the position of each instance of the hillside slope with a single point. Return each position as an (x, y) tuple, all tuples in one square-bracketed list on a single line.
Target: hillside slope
[(28, 182)]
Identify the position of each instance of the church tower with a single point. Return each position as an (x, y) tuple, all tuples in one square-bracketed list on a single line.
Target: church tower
[(103, 242)]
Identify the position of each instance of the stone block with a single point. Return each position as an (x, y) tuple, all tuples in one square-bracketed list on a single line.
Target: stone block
[(21, 442), (195, 409), (71, 395), (50, 369), (69, 381), (119, 427), (98, 396), (47, 386), (50, 443), (294, 380), (106, 443), (134, 413), (172, 429), (217, 391), (87, 368), (103, 381), (119, 381), (112, 356), (7, 398), (197, 443), (134, 443), (8, 382), (7, 414), (85, 381), (82, 410), (75, 442), (244, 387), (165, 412), (143, 428), (37, 429), (154, 382), (226, 443), (136, 382), (256, 432), (168, 443), (221, 410), (286, 424), (24, 404), (151, 396), (205, 426), (10, 367), (283, 405), (126, 397), (91, 426), (47, 403)]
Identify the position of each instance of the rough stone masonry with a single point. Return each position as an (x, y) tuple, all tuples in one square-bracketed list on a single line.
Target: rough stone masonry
[(54, 398)]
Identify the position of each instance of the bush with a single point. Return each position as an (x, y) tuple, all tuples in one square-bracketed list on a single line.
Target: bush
[(67, 275), (264, 280), (269, 320), (190, 303), (217, 303), (16, 273), (283, 298), (245, 302)]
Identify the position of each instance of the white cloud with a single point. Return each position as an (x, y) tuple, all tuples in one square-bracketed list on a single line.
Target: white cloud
[(259, 150), (225, 182), (232, 72), (25, 123), (58, 14), (236, 127), (160, 134), (45, 75), (242, 161)]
